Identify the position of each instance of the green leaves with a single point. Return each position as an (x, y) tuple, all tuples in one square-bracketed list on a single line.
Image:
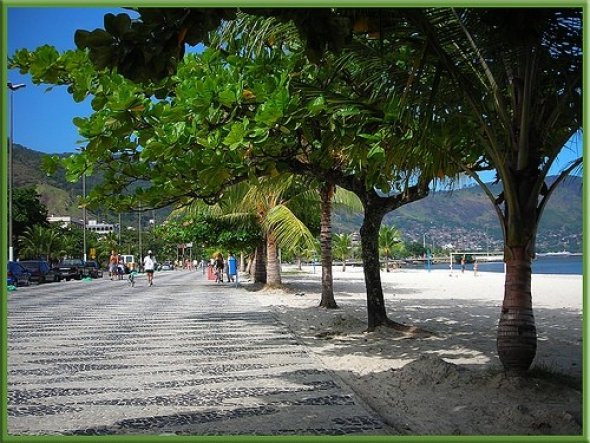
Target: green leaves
[(235, 138)]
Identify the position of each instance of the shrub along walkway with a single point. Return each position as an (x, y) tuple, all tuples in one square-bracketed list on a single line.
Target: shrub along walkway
[(186, 357)]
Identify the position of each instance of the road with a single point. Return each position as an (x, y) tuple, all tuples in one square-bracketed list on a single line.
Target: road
[(184, 357)]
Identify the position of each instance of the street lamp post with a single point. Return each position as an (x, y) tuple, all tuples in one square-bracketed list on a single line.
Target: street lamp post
[(84, 211), (12, 87)]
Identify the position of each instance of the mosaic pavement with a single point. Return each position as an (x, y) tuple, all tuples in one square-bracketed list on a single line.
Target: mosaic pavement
[(184, 357)]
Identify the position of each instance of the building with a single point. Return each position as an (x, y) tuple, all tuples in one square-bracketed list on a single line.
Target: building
[(100, 228), (66, 221), (92, 225)]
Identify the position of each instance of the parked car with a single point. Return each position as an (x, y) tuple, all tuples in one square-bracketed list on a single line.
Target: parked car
[(166, 266), (71, 269), (41, 271), (17, 274), (92, 269)]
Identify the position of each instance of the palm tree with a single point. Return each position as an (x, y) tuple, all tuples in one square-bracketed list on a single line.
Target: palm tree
[(274, 201), (38, 241), (342, 247), (107, 244), (68, 245), (389, 237), (519, 73)]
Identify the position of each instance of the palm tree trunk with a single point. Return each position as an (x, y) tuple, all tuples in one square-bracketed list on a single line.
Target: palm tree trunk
[(260, 264), (251, 262), (328, 300), (273, 269), (517, 334)]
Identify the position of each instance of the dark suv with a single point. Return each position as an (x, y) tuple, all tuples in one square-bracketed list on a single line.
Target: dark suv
[(17, 274), (40, 271), (71, 269)]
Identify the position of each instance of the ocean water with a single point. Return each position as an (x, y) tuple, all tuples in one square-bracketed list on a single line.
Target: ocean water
[(546, 264)]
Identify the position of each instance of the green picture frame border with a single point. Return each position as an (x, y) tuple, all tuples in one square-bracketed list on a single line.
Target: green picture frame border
[(4, 437)]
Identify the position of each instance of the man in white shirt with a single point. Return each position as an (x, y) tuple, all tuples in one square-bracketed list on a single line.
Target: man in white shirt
[(149, 264)]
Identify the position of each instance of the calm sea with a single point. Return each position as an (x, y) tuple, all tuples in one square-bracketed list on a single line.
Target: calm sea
[(546, 264)]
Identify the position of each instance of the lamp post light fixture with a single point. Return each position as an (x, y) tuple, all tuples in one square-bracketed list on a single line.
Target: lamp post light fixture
[(12, 87)]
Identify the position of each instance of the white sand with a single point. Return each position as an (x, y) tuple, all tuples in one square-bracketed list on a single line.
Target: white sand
[(451, 382)]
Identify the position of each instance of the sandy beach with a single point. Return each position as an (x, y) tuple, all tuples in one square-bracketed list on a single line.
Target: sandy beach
[(452, 382)]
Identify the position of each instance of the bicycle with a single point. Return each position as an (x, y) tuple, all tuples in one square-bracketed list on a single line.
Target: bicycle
[(131, 278)]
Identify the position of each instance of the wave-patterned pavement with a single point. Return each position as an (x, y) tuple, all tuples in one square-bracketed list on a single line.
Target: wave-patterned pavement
[(186, 357)]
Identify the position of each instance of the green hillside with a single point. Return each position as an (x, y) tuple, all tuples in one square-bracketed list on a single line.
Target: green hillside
[(461, 217)]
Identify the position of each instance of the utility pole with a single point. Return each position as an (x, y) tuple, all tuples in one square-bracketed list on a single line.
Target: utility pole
[(84, 211), (139, 231)]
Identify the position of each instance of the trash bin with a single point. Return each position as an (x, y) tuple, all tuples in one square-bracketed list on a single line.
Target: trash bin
[(232, 266)]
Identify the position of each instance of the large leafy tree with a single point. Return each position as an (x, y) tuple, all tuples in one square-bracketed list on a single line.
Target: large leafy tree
[(235, 117), (27, 211), (353, 137)]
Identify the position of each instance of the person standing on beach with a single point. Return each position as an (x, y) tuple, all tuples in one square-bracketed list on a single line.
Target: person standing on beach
[(475, 266), (463, 265), (149, 264)]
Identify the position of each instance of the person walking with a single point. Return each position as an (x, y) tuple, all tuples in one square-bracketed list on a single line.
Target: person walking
[(114, 265), (149, 264), (219, 265)]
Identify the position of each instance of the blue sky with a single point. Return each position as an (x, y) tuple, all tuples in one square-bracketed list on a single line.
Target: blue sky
[(43, 120)]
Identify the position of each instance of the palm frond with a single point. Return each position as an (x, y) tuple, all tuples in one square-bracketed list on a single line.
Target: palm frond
[(288, 229)]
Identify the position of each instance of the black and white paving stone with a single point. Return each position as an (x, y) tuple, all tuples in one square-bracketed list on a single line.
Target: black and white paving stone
[(185, 356)]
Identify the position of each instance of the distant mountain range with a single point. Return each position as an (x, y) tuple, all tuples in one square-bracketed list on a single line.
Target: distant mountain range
[(463, 218)]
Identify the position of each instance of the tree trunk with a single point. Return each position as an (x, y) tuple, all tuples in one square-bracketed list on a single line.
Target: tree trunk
[(273, 269), (328, 300), (369, 231), (260, 264), (251, 263), (376, 312), (517, 334)]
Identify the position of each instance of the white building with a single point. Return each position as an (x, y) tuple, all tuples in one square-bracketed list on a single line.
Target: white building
[(100, 228), (66, 221), (92, 225)]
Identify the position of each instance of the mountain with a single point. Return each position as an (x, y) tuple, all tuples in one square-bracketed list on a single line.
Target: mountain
[(463, 217), (60, 196)]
